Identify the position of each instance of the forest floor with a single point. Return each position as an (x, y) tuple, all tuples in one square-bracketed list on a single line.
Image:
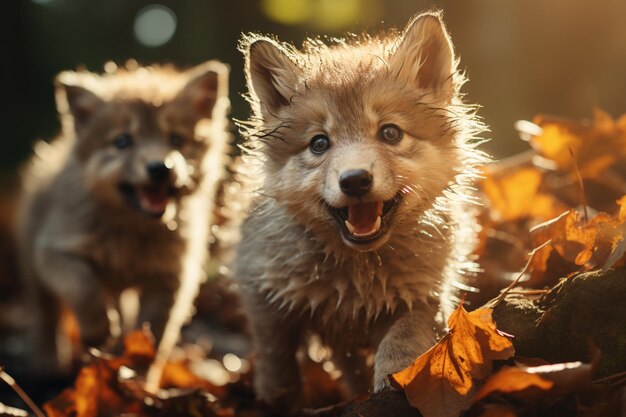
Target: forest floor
[(542, 331)]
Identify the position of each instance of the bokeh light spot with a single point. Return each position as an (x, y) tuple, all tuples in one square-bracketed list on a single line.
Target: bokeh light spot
[(337, 14), (288, 12), (232, 362), (155, 25)]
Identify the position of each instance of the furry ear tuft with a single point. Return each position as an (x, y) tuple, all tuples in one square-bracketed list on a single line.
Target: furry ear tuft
[(425, 55), (207, 83), (75, 100), (271, 74)]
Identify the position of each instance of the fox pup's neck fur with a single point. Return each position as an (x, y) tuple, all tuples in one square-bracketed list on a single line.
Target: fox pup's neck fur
[(362, 150), (122, 197)]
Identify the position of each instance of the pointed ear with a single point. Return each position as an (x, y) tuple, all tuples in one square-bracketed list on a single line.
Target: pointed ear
[(207, 83), (75, 100), (271, 74), (425, 55)]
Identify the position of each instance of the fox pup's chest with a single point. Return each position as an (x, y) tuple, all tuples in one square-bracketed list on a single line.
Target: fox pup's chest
[(128, 259)]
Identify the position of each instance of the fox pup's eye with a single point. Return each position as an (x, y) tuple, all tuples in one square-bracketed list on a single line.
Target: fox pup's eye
[(122, 141), (176, 140), (391, 133), (319, 144)]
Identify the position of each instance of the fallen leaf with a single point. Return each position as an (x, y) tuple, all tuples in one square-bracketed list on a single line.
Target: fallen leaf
[(140, 344), (523, 381), (512, 380), (96, 390), (178, 375), (441, 382), (597, 144), (516, 194), (579, 244), (567, 377)]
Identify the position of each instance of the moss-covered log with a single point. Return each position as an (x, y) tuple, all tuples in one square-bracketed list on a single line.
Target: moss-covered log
[(588, 308)]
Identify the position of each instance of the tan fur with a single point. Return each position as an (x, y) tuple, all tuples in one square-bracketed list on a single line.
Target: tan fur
[(81, 241), (296, 272)]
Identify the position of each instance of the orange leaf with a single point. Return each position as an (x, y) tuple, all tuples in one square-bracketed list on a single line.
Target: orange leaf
[(525, 381), (583, 245), (96, 391), (91, 396), (441, 381), (596, 144), (516, 195), (139, 343), (177, 374), (512, 380)]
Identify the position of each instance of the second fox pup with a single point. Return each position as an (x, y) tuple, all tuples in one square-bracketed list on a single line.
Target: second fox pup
[(122, 197), (363, 149)]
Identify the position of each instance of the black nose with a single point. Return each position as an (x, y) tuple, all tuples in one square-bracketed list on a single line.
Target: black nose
[(355, 182), (158, 171)]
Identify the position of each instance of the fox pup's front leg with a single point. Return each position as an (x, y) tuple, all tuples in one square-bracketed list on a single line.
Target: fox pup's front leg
[(156, 304), (72, 281), (277, 339), (407, 338)]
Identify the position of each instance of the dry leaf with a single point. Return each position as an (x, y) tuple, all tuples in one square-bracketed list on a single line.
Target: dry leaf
[(523, 381), (516, 195), (140, 344), (94, 394), (96, 390), (596, 144), (512, 380), (178, 375), (583, 245), (441, 382)]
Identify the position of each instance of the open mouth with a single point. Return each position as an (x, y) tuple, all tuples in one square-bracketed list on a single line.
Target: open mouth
[(364, 222), (150, 199)]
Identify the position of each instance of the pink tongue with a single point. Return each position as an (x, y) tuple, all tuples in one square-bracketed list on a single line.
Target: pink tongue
[(363, 215), (153, 199)]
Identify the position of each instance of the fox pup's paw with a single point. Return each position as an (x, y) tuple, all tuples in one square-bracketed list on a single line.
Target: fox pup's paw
[(382, 384), (285, 400)]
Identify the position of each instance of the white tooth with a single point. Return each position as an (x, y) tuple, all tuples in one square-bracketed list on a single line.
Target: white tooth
[(373, 230), (377, 224)]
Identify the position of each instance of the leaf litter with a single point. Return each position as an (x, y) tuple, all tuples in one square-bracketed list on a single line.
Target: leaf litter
[(563, 201)]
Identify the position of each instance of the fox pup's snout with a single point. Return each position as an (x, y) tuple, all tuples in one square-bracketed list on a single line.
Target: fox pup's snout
[(364, 221), (159, 172), (153, 195), (355, 182)]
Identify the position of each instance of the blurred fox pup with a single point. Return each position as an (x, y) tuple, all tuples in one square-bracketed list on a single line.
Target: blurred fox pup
[(122, 198), (364, 149)]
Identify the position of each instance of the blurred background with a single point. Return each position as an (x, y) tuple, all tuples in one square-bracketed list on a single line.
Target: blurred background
[(523, 57)]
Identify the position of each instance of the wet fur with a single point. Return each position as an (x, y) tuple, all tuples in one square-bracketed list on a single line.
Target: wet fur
[(296, 273), (81, 244)]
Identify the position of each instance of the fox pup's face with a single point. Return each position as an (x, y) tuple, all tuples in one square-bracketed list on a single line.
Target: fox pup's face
[(143, 135), (359, 139)]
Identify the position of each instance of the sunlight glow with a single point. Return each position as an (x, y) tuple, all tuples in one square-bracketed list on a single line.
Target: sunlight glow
[(288, 12), (155, 25)]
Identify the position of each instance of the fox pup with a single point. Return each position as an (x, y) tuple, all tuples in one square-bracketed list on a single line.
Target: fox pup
[(362, 150), (122, 198)]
